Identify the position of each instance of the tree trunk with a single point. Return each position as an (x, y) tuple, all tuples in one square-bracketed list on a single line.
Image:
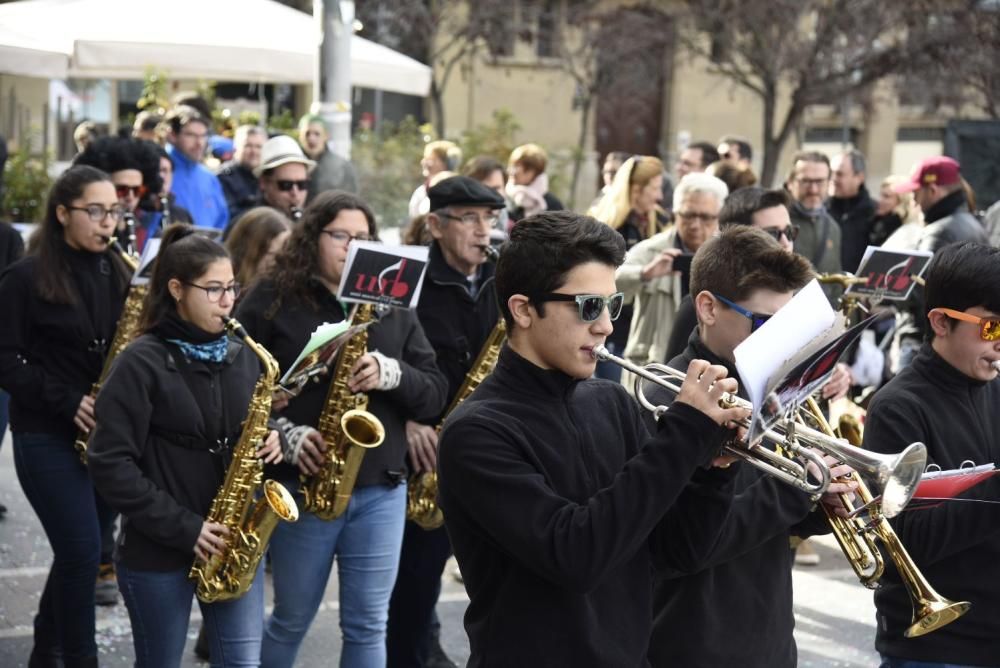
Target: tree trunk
[(772, 151), (437, 108), (580, 149)]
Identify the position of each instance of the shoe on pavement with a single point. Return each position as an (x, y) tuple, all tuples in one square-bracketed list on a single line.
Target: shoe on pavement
[(106, 590), (806, 555)]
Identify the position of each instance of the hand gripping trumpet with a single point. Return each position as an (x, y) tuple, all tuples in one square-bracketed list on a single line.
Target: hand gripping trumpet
[(898, 475)]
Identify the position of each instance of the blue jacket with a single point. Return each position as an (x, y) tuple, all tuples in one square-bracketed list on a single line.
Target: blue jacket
[(198, 190)]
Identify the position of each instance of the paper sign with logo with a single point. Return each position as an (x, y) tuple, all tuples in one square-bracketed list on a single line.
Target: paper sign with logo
[(387, 275), (890, 273)]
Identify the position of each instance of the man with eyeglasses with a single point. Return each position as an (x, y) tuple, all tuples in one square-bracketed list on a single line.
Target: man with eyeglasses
[(559, 502), (819, 234), (457, 310), (947, 398), (195, 188), (734, 606), (649, 277), (283, 173), (695, 158)]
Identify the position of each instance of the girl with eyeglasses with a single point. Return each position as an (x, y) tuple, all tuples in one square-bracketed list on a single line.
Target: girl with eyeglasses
[(62, 304), (401, 379), (170, 413)]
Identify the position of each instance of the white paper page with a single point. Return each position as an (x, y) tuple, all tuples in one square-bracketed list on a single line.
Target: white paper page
[(781, 338), (143, 274)]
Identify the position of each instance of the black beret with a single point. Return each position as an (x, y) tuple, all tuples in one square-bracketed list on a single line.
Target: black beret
[(463, 191)]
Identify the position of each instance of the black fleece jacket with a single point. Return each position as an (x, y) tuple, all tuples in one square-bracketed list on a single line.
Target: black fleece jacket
[(957, 543), (51, 354), (284, 325), (559, 504), (158, 415), (735, 607)]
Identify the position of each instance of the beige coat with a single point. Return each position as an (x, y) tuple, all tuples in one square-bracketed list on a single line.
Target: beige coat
[(655, 302)]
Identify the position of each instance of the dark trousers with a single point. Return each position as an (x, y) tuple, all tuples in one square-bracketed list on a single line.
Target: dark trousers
[(60, 492), (418, 585)]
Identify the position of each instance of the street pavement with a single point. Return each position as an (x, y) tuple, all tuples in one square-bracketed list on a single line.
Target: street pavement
[(834, 614)]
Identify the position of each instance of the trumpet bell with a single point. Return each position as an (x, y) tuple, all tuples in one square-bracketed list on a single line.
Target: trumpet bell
[(898, 478), (932, 615)]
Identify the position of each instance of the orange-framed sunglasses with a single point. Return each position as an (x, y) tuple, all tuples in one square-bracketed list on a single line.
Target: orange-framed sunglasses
[(989, 328)]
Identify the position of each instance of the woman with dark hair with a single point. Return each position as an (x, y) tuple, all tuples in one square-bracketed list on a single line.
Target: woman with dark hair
[(402, 381), (62, 304), (170, 412), (255, 240)]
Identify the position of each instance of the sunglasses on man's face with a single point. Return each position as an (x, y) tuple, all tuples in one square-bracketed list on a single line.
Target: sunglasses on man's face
[(286, 185), (989, 328), (791, 232), (757, 320), (135, 191), (590, 306)]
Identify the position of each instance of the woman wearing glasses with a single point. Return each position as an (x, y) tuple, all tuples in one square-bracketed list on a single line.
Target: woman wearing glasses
[(656, 271), (169, 414), (62, 303), (402, 382)]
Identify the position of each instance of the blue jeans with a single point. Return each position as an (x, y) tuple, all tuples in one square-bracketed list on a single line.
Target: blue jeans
[(890, 662), (60, 492), (4, 402), (366, 541), (610, 370), (159, 608)]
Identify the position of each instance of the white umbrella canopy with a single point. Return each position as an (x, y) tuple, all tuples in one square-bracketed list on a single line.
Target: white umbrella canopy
[(227, 40)]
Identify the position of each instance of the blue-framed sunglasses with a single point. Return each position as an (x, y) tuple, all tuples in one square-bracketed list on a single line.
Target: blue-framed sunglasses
[(756, 319), (590, 306)]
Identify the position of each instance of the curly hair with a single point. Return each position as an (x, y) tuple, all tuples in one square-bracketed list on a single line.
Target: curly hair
[(298, 262), (113, 154)]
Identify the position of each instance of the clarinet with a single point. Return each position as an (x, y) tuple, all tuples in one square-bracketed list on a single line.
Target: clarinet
[(296, 214), (130, 245), (165, 209)]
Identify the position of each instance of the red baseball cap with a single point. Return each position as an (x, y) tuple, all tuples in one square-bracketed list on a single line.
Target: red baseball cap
[(939, 170)]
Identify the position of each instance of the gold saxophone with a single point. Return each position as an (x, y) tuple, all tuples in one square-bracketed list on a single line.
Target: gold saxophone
[(229, 575), (125, 331), (421, 494), (347, 428)]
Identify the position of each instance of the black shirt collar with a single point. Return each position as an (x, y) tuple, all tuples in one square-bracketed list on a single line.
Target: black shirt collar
[(946, 206), (937, 370), (512, 369)]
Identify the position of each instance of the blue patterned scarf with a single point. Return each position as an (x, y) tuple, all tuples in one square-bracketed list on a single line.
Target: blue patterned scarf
[(213, 351)]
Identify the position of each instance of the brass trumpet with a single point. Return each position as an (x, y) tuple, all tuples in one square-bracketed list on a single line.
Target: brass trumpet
[(857, 536), (897, 475)]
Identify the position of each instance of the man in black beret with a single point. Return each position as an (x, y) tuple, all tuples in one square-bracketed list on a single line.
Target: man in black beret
[(458, 310)]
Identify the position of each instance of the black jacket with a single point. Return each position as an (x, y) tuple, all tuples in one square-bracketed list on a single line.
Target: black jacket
[(157, 416), (284, 328), (948, 221), (955, 544), (559, 504), (456, 324), (735, 607), (855, 215), (241, 188), (51, 354), (11, 245)]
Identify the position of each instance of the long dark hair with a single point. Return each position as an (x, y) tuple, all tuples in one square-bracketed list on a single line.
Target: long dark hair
[(55, 281), (251, 238), (298, 262), (184, 255)]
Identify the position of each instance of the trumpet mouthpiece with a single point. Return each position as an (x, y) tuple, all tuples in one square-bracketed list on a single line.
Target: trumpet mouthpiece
[(995, 364)]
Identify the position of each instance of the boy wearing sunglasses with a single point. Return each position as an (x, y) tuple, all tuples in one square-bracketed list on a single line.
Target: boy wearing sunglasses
[(734, 607), (557, 500), (949, 399)]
